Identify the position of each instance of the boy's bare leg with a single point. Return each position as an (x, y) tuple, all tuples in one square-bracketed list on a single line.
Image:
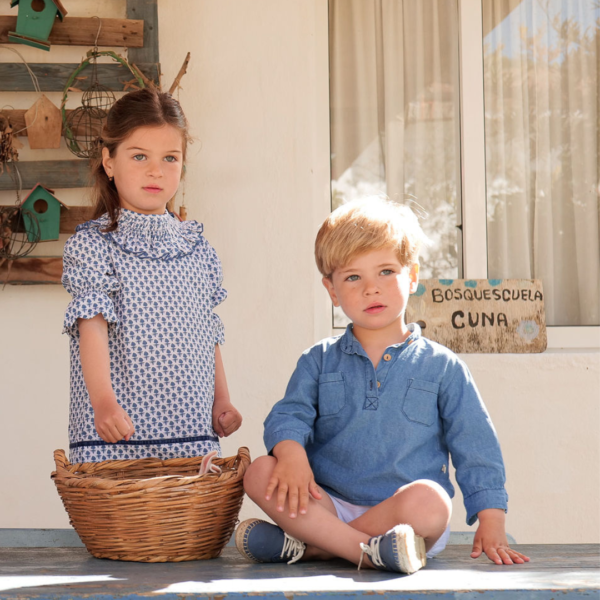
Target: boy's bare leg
[(325, 535), (422, 504)]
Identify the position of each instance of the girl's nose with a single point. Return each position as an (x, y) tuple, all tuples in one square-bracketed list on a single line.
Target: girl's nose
[(154, 169)]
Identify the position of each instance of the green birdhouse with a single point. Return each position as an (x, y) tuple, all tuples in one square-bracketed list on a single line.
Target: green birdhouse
[(42, 205), (35, 21)]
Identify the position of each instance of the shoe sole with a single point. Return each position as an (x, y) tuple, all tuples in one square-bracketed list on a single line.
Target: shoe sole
[(410, 549), (241, 535)]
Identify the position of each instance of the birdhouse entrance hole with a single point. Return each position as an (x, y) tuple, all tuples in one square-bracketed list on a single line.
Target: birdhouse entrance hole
[(40, 206), (38, 5)]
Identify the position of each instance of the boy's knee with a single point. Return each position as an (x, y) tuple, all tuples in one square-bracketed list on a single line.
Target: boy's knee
[(427, 495), (257, 475)]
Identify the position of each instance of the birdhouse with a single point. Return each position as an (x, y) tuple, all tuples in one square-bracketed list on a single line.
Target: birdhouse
[(35, 21), (43, 205), (44, 124)]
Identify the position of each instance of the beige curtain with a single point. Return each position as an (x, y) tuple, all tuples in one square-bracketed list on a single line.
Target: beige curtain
[(394, 112), (541, 64)]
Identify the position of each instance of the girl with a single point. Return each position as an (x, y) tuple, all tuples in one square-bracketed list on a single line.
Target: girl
[(147, 377)]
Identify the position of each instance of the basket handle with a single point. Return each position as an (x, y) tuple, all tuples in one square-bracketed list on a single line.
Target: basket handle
[(244, 461), (61, 462)]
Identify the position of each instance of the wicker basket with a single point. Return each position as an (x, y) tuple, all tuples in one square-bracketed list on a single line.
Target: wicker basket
[(152, 510)]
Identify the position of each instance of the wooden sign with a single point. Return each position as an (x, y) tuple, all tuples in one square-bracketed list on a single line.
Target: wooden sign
[(481, 315)]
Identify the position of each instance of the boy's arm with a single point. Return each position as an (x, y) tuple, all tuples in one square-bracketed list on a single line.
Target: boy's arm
[(288, 428), (292, 477), (111, 421), (476, 454), (225, 417)]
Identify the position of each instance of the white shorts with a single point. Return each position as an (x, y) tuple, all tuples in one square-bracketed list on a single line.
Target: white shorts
[(348, 512)]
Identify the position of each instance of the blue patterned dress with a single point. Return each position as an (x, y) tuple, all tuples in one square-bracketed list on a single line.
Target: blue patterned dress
[(156, 281)]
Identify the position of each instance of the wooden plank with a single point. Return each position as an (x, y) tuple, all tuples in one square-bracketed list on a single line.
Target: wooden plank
[(14, 77), (82, 31), (69, 219), (481, 315), (26, 271), (54, 174), (146, 10), (17, 121)]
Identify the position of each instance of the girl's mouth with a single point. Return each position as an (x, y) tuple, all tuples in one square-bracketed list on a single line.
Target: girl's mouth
[(374, 309), (152, 189)]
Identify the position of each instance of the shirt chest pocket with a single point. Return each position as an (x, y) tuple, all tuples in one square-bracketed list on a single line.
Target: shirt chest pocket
[(420, 402), (332, 393)]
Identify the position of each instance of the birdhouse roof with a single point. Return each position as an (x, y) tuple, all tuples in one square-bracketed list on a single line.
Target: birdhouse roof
[(51, 192), (62, 11)]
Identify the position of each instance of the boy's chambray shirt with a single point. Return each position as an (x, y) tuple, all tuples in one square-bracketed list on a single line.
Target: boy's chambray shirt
[(369, 431)]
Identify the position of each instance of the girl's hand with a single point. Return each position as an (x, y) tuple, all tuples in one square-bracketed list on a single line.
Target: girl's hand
[(293, 478), (491, 539), (112, 422), (226, 418)]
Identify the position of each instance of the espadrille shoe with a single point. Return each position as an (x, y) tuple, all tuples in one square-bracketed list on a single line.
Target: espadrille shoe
[(264, 542), (399, 550)]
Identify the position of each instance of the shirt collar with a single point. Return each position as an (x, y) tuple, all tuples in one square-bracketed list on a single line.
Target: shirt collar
[(350, 345)]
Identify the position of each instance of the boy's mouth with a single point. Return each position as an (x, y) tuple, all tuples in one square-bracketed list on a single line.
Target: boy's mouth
[(375, 308)]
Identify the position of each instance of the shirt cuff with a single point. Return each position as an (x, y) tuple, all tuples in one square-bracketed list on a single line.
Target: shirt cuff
[(272, 439), (485, 499)]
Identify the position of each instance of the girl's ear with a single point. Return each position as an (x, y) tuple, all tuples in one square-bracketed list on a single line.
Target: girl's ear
[(107, 162), (414, 278), (329, 287)]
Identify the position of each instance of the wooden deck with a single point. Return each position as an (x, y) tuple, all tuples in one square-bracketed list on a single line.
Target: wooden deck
[(555, 572)]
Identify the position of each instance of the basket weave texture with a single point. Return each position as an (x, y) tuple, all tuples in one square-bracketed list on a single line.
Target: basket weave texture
[(152, 510)]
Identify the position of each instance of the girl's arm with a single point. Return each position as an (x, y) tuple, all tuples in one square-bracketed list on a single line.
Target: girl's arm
[(226, 418), (111, 421)]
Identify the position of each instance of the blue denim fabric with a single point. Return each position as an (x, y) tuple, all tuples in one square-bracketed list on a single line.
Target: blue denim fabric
[(365, 440)]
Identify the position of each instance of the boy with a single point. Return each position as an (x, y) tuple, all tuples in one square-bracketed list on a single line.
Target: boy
[(359, 445)]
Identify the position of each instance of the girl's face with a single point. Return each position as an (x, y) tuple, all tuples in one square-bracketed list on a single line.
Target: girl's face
[(147, 168)]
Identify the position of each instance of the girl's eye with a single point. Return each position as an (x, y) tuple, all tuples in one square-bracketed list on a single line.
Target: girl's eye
[(352, 278), (387, 272), (171, 159), (139, 157)]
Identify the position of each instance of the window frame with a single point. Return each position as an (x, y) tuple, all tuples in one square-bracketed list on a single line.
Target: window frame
[(473, 177)]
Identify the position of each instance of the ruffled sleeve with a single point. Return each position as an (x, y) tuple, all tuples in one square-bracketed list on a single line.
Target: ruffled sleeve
[(218, 295), (88, 276)]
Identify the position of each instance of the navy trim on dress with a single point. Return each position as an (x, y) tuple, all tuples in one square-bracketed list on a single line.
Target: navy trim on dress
[(183, 440)]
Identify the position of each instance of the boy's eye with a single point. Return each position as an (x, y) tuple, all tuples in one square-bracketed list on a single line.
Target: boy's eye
[(387, 272), (139, 157), (352, 278)]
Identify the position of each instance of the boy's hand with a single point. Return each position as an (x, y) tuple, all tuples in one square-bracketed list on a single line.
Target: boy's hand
[(225, 418), (292, 477), (112, 422), (491, 539)]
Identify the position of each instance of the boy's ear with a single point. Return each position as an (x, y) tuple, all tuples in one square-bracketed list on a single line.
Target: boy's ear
[(414, 278), (329, 287), (107, 162)]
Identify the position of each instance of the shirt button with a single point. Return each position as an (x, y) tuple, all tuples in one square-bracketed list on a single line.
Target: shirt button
[(410, 342), (379, 384), (387, 357)]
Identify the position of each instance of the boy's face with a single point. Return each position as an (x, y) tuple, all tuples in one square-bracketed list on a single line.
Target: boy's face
[(373, 289)]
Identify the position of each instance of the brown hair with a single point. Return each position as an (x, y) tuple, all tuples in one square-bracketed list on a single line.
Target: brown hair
[(143, 108), (364, 225)]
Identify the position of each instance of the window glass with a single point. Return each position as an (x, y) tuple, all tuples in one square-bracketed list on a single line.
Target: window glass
[(394, 99), (541, 63)]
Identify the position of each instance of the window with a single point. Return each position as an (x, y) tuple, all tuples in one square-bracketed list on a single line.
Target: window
[(409, 80)]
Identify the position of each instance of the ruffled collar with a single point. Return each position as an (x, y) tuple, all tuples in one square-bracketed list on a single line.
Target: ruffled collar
[(155, 237)]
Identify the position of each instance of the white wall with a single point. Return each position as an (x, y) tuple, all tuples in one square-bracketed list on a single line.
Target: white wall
[(256, 96)]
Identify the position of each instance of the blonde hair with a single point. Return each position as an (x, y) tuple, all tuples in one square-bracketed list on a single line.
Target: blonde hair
[(364, 225)]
